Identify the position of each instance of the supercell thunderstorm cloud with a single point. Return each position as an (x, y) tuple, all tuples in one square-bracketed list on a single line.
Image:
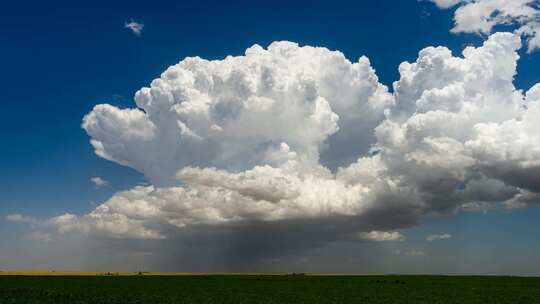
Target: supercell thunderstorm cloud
[(288, 141)]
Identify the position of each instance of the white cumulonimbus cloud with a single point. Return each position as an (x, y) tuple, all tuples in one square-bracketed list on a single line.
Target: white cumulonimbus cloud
[(299, 137), (236, 113), (481, 16)]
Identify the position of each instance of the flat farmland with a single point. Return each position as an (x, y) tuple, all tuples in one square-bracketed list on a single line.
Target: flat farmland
[(159, 288)]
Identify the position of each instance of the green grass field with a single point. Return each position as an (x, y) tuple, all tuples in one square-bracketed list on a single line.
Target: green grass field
[(267, 289)]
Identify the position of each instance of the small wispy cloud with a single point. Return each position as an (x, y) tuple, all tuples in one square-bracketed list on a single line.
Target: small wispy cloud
[(415, 253), (99, 182), (40, 236), (19, 218), (438, 237), (134, 26), (381, 236)]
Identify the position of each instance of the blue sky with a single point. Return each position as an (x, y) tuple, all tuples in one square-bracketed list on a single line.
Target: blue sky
[(59, 60)]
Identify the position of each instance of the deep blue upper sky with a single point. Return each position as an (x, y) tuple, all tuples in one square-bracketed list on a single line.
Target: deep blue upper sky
[(59, 59)]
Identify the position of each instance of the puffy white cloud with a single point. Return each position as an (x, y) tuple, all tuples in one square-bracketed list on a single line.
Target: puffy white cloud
[(235, 113), (381, 236), (99, 182), (250, 141), (481, 16), (135, 27), (486, 134), (531, 30), (438, 237)]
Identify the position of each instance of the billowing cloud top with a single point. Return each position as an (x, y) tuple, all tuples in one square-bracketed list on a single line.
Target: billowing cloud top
[(301, 135), (236, 113)]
